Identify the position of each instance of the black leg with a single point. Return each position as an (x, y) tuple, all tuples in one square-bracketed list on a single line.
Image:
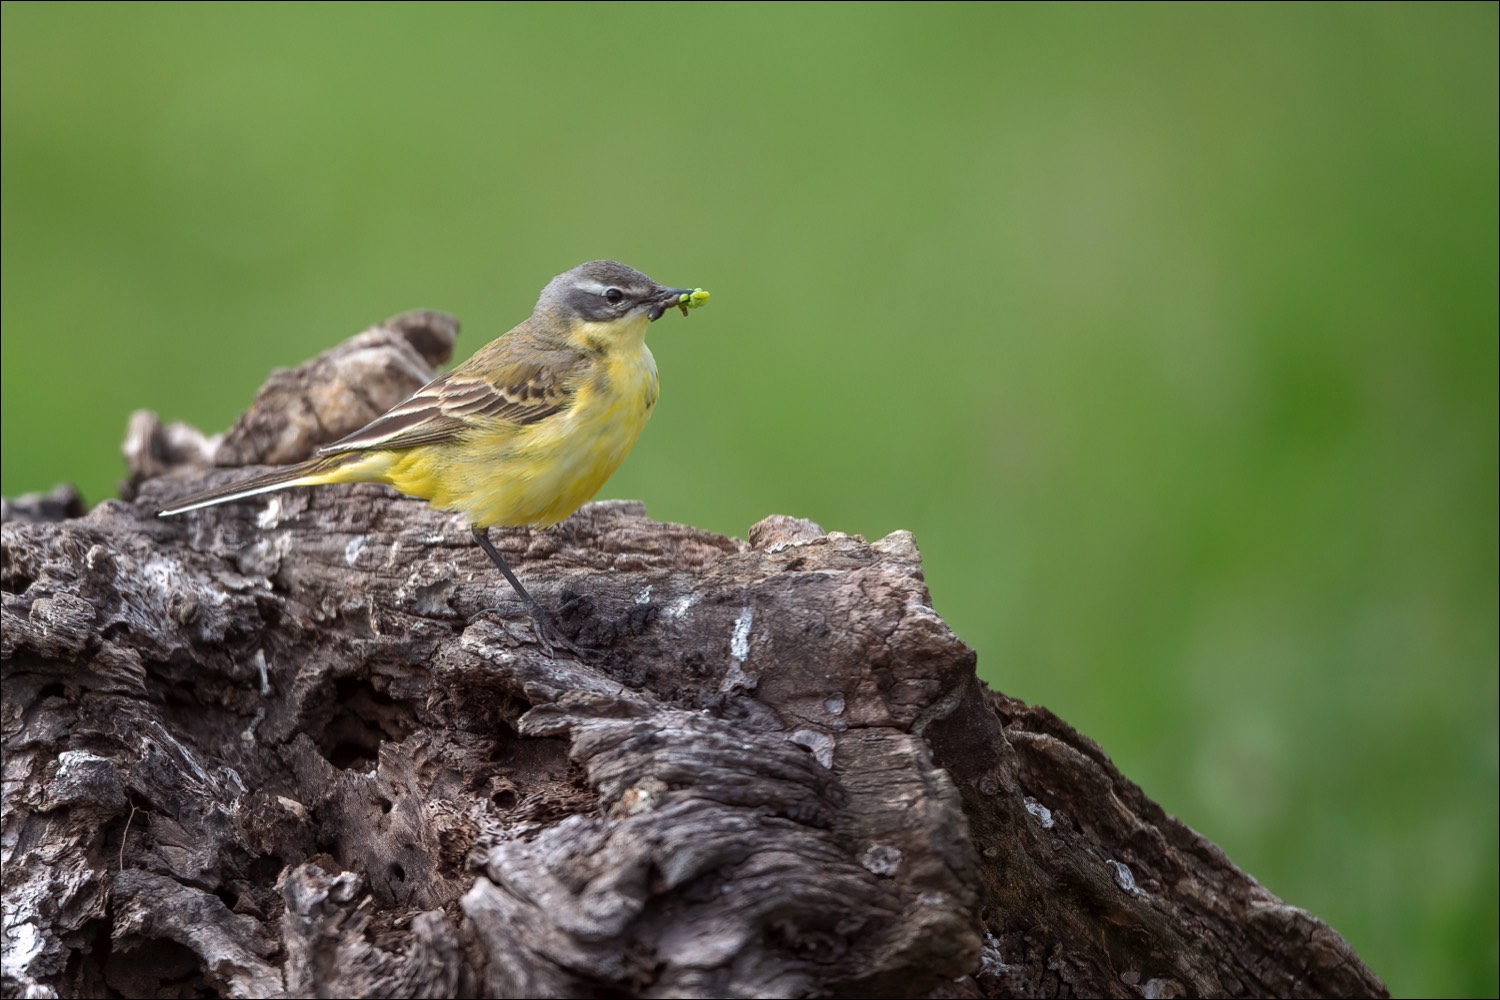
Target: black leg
[(547, 634)]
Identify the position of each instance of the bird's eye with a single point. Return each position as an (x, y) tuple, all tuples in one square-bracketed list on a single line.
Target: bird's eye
[(613, 295)]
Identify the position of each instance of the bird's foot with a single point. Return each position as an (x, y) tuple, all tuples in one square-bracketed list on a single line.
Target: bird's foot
[(548, 637)]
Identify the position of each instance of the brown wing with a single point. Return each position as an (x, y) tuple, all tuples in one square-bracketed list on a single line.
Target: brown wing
[(518, 392)]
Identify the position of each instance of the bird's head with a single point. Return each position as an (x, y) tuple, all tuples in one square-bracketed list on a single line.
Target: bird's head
[(604, 298)]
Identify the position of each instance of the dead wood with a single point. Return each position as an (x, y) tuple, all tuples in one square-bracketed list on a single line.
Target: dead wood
[(268, 749)]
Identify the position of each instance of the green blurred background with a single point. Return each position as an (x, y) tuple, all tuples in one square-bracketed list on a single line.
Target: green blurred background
[(1170, 331)]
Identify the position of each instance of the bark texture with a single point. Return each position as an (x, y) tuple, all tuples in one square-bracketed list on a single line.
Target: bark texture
[(281, 748)]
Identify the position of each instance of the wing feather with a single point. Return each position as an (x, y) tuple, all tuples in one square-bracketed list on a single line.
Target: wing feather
[(518, 393)]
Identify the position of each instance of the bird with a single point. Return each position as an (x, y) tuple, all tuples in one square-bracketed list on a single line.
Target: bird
[(521, 434)]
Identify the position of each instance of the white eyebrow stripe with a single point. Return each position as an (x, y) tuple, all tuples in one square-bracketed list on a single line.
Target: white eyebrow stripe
[(597, 287)]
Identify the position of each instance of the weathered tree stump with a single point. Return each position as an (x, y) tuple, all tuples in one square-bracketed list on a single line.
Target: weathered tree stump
[(275, 749)]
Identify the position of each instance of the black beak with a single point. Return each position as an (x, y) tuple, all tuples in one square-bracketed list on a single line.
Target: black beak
[(665, 298)]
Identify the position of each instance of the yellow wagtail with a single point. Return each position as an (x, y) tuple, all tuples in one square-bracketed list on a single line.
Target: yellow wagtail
[(524, 432)]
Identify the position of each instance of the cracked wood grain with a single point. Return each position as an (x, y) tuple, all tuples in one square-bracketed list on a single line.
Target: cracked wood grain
[(273, 749)]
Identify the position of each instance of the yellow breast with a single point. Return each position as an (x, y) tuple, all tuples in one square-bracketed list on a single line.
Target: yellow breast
[(538, 474)]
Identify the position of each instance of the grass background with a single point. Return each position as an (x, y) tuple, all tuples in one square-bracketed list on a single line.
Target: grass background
[(1170, 331)]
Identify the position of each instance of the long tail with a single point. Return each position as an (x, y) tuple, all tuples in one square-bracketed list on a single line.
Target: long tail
[(313, 472)]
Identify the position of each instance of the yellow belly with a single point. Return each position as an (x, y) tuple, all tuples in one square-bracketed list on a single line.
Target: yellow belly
[(538, 474)]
